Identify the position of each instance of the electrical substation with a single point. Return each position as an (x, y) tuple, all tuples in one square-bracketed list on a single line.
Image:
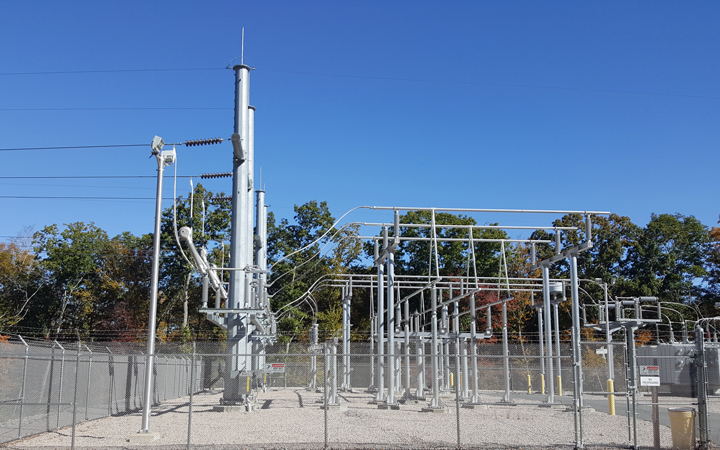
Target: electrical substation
[(425, 339)]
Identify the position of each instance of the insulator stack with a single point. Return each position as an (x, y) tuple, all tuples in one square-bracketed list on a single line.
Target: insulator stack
[(205, 176), (203, 142), (220, 199)]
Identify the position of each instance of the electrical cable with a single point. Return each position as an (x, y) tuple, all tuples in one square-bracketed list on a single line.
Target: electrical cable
[(75, 72), (175, 228), (168, 108), (88, 177), (71, 147)]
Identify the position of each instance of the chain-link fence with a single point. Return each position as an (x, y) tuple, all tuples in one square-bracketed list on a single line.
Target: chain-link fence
[(301, 398)]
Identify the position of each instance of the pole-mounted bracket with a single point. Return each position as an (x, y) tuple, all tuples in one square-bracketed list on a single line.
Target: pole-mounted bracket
[(238, 149)]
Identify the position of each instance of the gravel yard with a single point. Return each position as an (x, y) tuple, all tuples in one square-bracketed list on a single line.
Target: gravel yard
[(289, 419)]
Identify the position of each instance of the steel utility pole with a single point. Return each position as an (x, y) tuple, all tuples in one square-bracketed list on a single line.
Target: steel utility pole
[(164, 158)]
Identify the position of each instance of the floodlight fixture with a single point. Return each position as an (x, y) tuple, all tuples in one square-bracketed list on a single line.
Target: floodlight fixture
[(157, 145)]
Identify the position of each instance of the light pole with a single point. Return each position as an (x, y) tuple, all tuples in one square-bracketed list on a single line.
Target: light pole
[(164, 158)]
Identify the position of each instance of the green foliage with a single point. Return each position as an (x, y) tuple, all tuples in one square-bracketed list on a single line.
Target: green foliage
[(667, 258)]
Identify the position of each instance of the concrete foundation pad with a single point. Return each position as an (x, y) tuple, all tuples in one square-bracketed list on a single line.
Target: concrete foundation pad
[(504, 404), (331, 406), (434, 409), (583, 408), (384, 405), (552, 405), (474, 406), (230, 408), (144, 438)]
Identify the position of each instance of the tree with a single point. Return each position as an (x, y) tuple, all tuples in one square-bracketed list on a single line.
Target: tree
[(72, 261), (667, 259), (20, 282), (710, 293)]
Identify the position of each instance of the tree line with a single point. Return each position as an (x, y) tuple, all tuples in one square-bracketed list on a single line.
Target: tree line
[(63, 281)]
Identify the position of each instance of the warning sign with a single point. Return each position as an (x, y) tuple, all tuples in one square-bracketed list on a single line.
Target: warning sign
[(649, 375), (275, 367)]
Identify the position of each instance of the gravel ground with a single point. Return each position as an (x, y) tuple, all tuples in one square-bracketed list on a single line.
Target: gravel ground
[(292, 419)]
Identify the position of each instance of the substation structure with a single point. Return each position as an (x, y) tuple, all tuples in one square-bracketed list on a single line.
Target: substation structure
[(400, 338), (241, 305)]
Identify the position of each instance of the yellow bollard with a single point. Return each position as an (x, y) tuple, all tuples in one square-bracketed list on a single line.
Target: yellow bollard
[(542, 383), (452, 380), (611, 397), (529, 384), (559, 380), (248, 384)]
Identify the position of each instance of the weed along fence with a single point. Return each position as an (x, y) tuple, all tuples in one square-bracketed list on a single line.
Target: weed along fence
[(318, 396)]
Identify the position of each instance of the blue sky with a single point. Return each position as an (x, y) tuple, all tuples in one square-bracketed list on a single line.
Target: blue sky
[(609, 106)]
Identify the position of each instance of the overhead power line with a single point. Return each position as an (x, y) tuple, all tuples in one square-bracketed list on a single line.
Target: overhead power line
[(48, 197), (102, 177), (70, 147), (188, 143), (74, 72), (116, 109)]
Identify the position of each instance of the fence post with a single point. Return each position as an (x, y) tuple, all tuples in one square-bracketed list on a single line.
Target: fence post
[(701, 365), (24, 379), (77, 375), (111, 384), (325, 392), (457, 387), (192, 389), (87, 390), (60, 388)]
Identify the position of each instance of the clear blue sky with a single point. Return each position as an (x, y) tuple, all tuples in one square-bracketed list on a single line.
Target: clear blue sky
[(535, 105)]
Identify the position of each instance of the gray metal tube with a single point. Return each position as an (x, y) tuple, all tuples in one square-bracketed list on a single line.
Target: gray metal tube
[(434, 349), (239, 251), (391, 326), (464, 372), (577, 356), (250, 190), (153, 298), (381, 322), (24, 380), (506, 353), (406, 309), (548, 335), (556, 311), (473, 348)]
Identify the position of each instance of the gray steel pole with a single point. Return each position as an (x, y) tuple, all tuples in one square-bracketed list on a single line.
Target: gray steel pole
[(164, 158), (702, 386), (548, 335), (506, 353), (434, 349), (391, 326), (381, 321), (406, 308), (420, 392), (239, 249), (556, 311), (464, 372), (473, 348), (577, 355)]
